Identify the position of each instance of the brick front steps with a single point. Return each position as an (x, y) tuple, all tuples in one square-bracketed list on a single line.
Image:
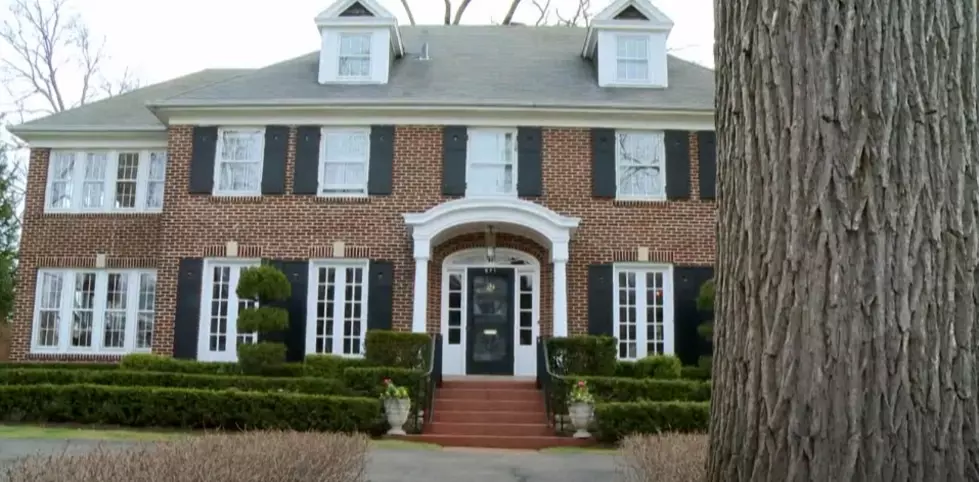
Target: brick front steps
[(502, 413)]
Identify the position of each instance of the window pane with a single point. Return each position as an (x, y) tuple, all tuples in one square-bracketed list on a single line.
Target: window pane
[(93, 186), (324, 311), (146, 315), (626, 311), (640, 160), (218, 339), (526, 337), (455, 336), (127, 167), (344, 177), (114, 334), (490, 179), (155, 179), (353, 316), (62, 168), (241, 145), (83, 306), (49, 307), (240, 176), (355, 53)]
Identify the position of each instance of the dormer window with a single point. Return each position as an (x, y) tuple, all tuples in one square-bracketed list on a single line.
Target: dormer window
[(632, 58), (354, 60)]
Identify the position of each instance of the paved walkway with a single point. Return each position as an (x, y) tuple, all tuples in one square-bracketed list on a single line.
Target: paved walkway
[(408, 465)]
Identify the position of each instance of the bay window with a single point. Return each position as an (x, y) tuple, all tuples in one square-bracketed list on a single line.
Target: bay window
[(102, 181)]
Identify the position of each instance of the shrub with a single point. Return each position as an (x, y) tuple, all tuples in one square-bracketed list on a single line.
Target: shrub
[(613, 389), (671, 457), (58, 366), (695, 373), (369, 381), (397, 349), (582, 355), (659, 366), (614, 421), (705, 303), (186, 408), (267, 285), (322, 386), (330, 366), (162, 363), (266, 456)]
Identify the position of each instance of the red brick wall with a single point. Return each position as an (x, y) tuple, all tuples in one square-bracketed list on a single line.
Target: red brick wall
[(291, 226)]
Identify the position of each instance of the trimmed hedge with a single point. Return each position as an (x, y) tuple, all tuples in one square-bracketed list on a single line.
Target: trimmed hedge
[(582, 355), (615, 389), (58, 366), (695, 373), (397, 349), (368, 381), (311, 385), (162, 363), (330, 366), (614, 421), (656, 366), (186, 408)]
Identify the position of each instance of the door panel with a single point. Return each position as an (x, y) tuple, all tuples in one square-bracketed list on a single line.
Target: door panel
[(489, 340)]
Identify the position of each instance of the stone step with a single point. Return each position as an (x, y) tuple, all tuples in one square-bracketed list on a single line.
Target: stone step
[(489, 394), (501, 384), (501, 429), (463, 416), (500, 442), (470, 405)]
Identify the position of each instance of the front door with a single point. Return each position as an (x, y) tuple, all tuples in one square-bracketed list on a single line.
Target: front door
[(489, 340)]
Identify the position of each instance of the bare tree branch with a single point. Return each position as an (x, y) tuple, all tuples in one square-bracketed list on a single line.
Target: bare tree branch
[(448, 12), (581, 17), (411, 17), (544, 12), (459, 11), (508, 18)]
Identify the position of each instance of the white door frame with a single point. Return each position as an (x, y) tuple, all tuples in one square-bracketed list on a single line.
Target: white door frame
[(458, 263)]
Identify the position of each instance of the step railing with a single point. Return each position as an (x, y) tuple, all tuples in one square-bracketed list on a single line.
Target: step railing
[(429, 383), (554, 386)]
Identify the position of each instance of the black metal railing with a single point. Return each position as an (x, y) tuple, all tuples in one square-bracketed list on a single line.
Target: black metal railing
[(429, 383), (554, 386)]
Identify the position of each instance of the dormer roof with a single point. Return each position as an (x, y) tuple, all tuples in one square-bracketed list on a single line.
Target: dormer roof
[(626, 15), (361, 13)]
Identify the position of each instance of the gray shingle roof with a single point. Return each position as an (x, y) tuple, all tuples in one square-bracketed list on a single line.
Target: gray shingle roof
[(469, 65), (127, 111)]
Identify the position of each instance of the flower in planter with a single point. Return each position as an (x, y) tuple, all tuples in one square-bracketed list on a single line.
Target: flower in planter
[(580, 394), (393, 392)]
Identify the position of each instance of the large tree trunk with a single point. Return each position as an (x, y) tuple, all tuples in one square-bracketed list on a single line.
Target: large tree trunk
[(846, 328)]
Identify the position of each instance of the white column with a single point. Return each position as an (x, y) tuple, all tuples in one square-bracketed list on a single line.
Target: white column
[(419, 312), (559, 255)]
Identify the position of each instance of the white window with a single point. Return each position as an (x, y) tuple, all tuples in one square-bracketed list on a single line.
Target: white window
[(354, 59), (218, 335), (643, 310), (632, 58), (94, 311), (337, 308), (491, 167), (238, 162), (640, 162), (344, 156), (106, 181)]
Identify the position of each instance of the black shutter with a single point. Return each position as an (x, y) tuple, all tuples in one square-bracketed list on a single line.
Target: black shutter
[(603, 163), (454, 142), (202, 160), (600, 292), (295, 337), (380, 171), (529, 158), (380, 299), (187, 316), (677, 165), (707, 149), (688, 344), (306, 179), (274, 163)]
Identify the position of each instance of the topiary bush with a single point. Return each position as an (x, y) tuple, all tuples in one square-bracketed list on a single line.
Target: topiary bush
[(266, 285), (399, 349)]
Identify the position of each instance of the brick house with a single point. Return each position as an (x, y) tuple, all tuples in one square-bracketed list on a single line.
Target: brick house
[(490, 183)]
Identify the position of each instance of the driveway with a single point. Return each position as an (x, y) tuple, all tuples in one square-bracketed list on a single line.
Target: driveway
[(408, 465)]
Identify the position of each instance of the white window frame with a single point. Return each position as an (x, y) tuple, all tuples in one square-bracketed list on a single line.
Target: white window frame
[(230, 354), (66, 308), (622, 37), (471, 160), (641, 319), (109, 181), (369, 56), (327, 190), (218, 161), (339, 301), (620, 165)]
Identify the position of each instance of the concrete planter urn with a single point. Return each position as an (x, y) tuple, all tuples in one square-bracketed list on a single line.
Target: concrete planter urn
[(581, 415), (397, 410)]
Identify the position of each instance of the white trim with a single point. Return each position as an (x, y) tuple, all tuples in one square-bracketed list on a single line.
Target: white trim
[(218, 160), (336, 347), (472, 115), (334, 11), (669, 318), (524, 356), (605, 20), (66, 309), (230, 354)]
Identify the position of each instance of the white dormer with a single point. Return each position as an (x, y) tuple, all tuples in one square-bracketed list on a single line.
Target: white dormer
[(360, 39), (627, 42)]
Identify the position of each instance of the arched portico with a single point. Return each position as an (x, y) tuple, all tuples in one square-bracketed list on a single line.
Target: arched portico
[(508, 215)]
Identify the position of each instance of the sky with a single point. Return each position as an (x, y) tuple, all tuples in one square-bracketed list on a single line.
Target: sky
[(162, 39)]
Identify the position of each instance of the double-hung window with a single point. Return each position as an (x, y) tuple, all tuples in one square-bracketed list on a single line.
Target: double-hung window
[(640, 162), (238, 162), (491, 167), (632, 58), (344, 156), (643, 310), (106, 181), (354, 56), (218, 335), (94, 311), (337, 308)]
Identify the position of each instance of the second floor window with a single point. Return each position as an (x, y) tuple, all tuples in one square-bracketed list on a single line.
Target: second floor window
[(106, 181), (344, 155), (354, 56), (491, 162), (640, 164), (238, 162), (632, 58)]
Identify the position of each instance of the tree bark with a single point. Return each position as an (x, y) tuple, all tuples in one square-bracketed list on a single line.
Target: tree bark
[(846, 318)]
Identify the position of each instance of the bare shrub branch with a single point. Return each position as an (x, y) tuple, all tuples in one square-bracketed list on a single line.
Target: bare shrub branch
[(672, 457)]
